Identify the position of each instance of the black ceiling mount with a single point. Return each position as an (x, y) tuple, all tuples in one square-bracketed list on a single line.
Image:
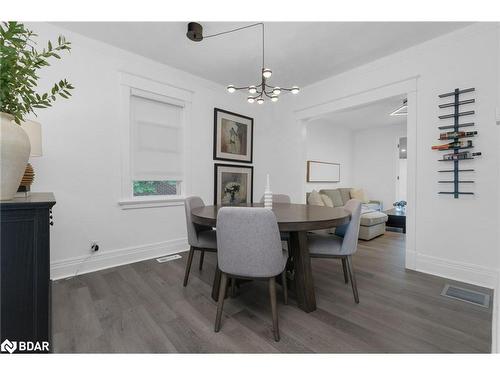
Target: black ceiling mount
[(257, 92), (195, 32)]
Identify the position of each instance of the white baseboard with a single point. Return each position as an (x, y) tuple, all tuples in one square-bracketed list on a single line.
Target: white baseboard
[(464, 272), (411, 260), (101, 260)]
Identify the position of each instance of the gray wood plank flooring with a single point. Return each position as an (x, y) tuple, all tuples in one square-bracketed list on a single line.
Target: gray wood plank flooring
[(142, 307)]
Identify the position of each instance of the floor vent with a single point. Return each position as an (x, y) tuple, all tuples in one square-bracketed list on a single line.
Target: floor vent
[(168, 258), (466, 295)]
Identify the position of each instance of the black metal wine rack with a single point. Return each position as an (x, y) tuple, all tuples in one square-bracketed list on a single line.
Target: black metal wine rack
[(456, 116)]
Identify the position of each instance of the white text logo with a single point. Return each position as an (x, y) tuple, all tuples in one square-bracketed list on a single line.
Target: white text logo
[(24, 346), (8, 346)]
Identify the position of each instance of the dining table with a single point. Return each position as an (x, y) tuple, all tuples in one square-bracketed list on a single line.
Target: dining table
[(296, 220)]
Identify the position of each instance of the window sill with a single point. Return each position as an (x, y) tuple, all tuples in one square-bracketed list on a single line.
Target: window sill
[(148, 202)]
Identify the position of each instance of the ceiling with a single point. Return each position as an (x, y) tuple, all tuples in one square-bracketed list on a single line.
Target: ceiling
[(299, 53), (370, 115)]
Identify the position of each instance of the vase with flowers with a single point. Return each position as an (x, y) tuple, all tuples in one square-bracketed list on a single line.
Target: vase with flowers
[(400, 206), (19, 64), (232, 188)]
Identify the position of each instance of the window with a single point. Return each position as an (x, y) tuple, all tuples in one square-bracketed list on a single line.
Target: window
[(156, 145), (144, 188)]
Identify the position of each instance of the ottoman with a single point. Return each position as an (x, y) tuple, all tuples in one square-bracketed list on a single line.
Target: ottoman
[(372, 225)]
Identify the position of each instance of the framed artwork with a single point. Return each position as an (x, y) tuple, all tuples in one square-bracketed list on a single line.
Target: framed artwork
[(233, 136), (322, 171), (233, 184)]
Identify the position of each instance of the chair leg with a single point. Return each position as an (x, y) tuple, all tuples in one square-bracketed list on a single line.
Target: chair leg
[(202, 256), (188, 265), (220, 302), (233, 287), (285, 286), (344, 268), (353, 278), (274, 308)]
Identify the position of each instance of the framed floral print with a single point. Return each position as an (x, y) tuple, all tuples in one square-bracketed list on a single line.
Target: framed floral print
[(233, 184), (233, 136)]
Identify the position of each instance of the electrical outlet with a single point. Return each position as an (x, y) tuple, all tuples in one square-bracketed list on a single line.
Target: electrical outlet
[(94, 247)]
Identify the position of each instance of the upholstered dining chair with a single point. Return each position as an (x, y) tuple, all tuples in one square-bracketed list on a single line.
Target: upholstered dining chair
[(249, 247), (332, 246), (200, 238), (279, 198)]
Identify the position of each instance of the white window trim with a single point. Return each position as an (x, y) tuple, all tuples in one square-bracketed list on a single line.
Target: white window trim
[(171, 95)]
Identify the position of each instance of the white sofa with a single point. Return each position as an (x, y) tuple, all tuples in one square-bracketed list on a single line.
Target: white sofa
[(372, 218)]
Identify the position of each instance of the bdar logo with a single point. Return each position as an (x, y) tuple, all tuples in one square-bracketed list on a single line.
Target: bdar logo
[(8, 346)]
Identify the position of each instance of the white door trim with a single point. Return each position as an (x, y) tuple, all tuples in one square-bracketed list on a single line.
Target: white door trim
[(408, 87)]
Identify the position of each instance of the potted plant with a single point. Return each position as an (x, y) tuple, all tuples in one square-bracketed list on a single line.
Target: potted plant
[(19, 63)]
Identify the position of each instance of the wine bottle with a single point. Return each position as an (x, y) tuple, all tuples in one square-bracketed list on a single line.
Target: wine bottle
[(461, 155), (460, 134), (452, 145)]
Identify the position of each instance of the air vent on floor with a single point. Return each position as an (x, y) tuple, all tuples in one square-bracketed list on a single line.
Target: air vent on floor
[(168, 258), (466, 295)]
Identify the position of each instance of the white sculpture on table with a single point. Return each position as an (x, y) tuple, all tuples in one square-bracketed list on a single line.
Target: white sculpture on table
[(268, 195)]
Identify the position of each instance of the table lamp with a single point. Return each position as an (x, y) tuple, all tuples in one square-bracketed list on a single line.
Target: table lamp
[(34, 131)]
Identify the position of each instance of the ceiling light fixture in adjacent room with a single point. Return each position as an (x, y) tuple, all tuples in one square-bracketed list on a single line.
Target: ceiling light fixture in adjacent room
[(259, 92), (401, 111)]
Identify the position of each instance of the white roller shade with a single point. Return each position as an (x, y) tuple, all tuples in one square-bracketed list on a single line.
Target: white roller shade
[(156, 138)]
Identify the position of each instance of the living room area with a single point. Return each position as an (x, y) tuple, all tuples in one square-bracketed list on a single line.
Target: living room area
[(360, 153)]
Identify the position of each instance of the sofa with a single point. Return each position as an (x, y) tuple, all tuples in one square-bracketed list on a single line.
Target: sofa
[(373, 220)]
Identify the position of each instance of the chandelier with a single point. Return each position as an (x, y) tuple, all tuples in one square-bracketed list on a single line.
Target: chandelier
[(257, 92)]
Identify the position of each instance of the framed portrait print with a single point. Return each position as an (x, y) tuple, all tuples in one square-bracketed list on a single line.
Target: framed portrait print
[(233, 136), (233, 184)]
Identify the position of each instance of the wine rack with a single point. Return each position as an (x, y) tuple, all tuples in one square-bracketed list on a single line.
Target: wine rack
[(456, 133)]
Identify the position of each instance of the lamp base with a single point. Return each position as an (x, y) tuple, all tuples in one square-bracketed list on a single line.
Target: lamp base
[(27, 180)]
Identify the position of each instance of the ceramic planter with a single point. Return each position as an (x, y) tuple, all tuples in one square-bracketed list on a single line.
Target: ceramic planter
[(14, 154)]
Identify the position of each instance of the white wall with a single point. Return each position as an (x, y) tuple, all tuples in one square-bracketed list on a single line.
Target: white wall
[(375, 162), (326, 142), (457, 238), (81, 160)]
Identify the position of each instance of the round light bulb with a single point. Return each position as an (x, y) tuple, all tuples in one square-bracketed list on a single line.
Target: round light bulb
[(231, 89), (250, 99), (295, 90), (252, 89), (276, 91), (274, 98), (267, 73), (260, 101)]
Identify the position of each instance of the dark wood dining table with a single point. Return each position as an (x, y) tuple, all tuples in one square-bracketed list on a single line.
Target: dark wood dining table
[(297, 220)]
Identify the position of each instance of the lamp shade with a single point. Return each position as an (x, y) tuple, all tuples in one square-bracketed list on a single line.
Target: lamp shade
[(34, 131)]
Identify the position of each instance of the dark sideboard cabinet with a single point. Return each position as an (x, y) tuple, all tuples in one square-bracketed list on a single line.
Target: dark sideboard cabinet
[(25, 269)]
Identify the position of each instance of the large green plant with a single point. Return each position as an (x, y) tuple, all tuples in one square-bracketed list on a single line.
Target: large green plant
[(19, 63)]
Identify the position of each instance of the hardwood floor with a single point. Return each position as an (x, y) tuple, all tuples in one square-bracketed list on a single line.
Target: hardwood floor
[(143, 307)]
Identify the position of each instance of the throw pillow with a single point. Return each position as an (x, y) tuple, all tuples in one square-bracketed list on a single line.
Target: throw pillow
[(345, 194), (315, 199), (336, 198), (326, 200), (359, 194)]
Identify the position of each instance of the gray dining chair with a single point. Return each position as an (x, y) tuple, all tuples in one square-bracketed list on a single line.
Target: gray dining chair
[(200, 238), (279, 198), (333, 246), (249, 247)]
